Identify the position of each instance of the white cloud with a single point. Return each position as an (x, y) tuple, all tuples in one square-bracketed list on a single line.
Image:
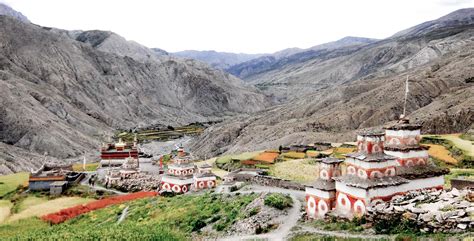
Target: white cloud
[(252, 26)]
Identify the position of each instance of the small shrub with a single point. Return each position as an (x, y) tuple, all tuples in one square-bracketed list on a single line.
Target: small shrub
[(219, 226), (196, 225), (254, 211), (215, 218), (278, 201), (395, 225)]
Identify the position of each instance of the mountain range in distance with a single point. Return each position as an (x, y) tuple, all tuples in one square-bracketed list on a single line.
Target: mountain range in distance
[(238, 63), (64, 91), (335, 92)]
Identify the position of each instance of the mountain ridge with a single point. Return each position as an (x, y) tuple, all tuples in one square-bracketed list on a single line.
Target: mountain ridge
[(339, 94), (8, 11), (219, 60), (61, 96)]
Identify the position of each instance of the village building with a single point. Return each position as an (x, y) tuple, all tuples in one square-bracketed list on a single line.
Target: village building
[(115, 154), (50, 176), (386, 164)]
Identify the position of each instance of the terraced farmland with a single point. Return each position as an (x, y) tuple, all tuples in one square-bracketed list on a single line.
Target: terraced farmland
[(162, 134)]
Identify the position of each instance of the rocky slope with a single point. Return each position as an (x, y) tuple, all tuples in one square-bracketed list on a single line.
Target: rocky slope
[(110, 42), (60, 95), (363, 89), (219, 60), (255, 67)]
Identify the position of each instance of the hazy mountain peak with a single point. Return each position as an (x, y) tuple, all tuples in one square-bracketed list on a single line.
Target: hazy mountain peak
[(111, 42), (461, 17), (7, 10), (220, 60), (464, 14)]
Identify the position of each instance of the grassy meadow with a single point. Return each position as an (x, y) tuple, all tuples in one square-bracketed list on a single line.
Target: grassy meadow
[(9, 183), (90, 167), (300, 170), (157, 218)]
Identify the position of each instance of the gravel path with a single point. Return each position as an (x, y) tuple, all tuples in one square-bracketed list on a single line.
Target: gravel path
[(85, 182), (287, 222), (307, 229)]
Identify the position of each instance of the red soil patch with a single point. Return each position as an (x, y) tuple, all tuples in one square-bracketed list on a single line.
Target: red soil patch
[(75, 211), (267, 157)]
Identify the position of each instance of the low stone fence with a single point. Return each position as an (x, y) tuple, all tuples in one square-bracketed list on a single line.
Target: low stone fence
[(428, 211), (277, 182), (460, 183), (255, 176)]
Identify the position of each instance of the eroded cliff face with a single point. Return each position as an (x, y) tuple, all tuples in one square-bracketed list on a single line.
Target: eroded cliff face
[(60, 95)]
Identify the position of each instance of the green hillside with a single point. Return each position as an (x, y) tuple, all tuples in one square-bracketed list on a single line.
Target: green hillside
[(158, 218)]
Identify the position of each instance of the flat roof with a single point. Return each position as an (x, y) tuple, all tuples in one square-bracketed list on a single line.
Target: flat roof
[(325, 185), (355, 181), (58, 183), (379, 157)]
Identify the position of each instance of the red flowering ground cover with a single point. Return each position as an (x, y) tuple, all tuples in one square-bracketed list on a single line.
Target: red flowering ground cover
[(75, 211)]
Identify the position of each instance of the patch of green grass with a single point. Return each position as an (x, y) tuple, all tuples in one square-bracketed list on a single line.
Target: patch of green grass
[(320, 237), (9, 183), (158, 218), (90, 167), (353, 226), (455, 173), (293, 155), (262, 166), (301, 171), (254, 211), (467, 136), (34, 229), (241, 157), (161, 134), (29, 201), (456, 146), (278, 200), (396, 224), (232, 162)]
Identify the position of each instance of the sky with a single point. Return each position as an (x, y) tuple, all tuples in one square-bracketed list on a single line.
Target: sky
[(239, 26)]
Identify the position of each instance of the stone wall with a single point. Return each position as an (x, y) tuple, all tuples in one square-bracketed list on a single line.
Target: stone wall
[(428, 211), (264, 180), (460, 183)]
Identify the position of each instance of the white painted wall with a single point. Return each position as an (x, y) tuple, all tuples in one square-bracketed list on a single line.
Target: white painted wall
[(412, 185), (177, 181), (409, 154), (371, 165), (402, 133), (354, 191), (320, 193)]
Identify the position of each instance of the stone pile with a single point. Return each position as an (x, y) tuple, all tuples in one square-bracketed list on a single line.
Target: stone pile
[(138, 182), (432, 211)]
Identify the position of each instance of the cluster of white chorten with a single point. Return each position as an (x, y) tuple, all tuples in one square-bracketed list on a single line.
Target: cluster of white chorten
[(385, 165), (182, 175)]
